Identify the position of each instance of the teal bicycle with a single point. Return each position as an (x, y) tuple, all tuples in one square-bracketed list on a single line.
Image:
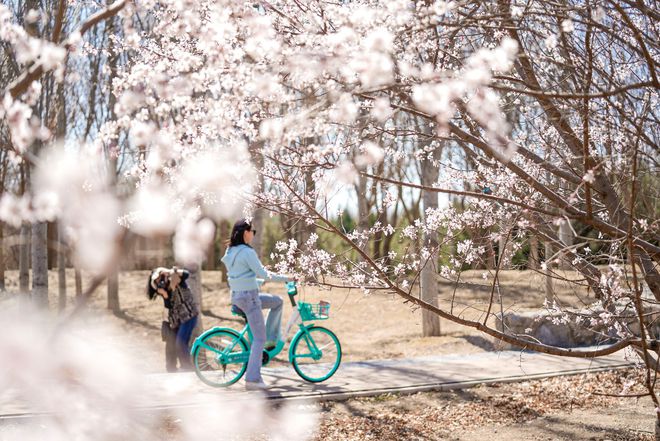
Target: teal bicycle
[(220, 355)]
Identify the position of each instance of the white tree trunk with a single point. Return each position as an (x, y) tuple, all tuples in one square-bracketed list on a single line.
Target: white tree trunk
[(428, 278), (429, 288), (40, 264)]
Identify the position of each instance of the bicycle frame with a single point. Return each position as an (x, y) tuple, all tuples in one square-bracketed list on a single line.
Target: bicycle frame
[(226, 356)]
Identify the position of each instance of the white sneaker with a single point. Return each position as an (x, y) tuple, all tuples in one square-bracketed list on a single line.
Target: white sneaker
[(255, 385)]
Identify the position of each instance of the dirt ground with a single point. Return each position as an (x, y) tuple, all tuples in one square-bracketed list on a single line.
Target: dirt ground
[(379, 326), (372, 326)]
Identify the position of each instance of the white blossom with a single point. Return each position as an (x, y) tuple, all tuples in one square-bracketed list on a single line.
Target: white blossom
[(192, 240), (372, 154), (381, 109)]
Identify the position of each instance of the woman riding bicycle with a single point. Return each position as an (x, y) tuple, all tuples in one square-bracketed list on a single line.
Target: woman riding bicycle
[(243, 271)]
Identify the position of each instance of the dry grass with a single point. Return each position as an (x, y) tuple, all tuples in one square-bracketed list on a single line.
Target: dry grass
[(564, 408)]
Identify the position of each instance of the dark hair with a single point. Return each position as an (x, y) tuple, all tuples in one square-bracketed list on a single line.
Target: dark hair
[(151, 292), (240, 227), (160, 281)]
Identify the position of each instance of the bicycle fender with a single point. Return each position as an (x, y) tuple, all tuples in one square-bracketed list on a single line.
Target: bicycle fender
[(296, 336), (210, 331)]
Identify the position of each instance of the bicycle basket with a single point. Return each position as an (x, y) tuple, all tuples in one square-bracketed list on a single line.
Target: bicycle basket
[(314, 311)]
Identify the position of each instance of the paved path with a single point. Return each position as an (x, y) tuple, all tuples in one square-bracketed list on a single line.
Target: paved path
[(369, 378), (397, 376)]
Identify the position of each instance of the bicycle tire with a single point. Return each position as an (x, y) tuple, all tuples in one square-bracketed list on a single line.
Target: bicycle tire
[(322, 367), (207, 366)]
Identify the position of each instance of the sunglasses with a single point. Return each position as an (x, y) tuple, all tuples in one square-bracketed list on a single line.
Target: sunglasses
[(253, 231)]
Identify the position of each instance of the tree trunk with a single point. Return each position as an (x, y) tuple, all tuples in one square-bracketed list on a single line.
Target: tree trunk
[(310, 190), (428, 279), (257, 221), (549, 292), (113, 290), (78, 278), (505, 248), (211, 262), (52, 236), (61, 268), (40, 264), (533, 260), (195, 284), (24, 261), (224, 238), (566, 237), (490, 259), (113, 277), (363, 209), (257, 217)]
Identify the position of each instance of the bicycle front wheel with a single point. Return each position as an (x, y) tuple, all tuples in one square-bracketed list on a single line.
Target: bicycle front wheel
[(221, 359), (316, 354)]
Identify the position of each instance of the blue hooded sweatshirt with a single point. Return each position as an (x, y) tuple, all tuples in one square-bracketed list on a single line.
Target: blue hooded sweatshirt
[(244, 268)]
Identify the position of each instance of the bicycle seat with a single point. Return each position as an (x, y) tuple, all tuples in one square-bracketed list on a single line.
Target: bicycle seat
[(238, 311)]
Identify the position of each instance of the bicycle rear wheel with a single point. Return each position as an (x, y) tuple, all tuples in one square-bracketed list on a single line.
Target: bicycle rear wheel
[(210, 359), (316, 354)]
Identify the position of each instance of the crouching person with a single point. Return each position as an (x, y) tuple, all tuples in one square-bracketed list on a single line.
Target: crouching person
[(182, 312)]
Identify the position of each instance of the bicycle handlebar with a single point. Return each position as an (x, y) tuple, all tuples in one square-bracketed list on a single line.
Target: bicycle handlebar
[(292, 291)]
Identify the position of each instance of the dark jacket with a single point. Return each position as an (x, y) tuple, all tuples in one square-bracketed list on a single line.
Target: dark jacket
[(184, 307)]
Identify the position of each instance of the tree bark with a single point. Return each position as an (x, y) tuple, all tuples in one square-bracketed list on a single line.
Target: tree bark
[(257, 221), (211, 262), (195, 284), (429, 276), (549, 291), (257, 216), (61, 268), (533, 260), (566, 237), (24, 261), (363, 208), (490, 259), (52, 239), (505, 249), (113, 277), (113, 290), (78, 279), (224, 238), (40, 264)]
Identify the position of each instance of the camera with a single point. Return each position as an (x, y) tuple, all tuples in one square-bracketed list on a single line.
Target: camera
[(163, 283)]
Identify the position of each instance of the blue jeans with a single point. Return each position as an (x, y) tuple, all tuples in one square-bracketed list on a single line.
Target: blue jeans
[(182, 342), (252, 302)]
